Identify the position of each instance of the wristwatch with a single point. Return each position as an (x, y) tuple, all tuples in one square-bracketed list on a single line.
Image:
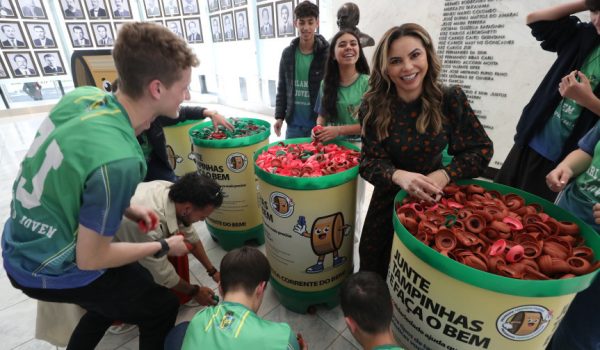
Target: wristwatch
[(164, 249)]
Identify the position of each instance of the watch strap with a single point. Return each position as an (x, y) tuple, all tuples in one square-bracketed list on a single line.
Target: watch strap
[(164, 248)]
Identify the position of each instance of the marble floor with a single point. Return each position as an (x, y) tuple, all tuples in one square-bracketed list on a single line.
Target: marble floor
[(323, 330)]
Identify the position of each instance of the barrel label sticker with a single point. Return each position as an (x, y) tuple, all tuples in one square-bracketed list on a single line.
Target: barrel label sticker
[(282, 205), (326, 236), (173, 158), (237, 162), (523, 322)]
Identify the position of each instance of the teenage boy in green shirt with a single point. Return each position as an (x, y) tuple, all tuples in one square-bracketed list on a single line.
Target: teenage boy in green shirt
[(367, 307), (233, 324), (301, 70), (74, 187)]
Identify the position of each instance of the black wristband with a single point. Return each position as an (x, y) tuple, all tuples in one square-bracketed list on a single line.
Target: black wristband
[(194, 291), (211, 272), (164, 248)]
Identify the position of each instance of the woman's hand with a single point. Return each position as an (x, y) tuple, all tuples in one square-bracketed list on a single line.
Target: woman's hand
[(327, 133), (418, 185), (558, 178), (440, 178)]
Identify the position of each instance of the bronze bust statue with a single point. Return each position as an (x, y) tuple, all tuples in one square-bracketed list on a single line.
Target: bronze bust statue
[(348, 16)]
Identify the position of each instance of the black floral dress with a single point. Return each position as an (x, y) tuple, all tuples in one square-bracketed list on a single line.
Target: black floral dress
[(408, 150)]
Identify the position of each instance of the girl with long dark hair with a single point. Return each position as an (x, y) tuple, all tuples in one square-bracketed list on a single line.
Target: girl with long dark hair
[(345, 81)]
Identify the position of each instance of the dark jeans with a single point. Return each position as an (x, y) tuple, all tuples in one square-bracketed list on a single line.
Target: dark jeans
[(174, 340), (125, 293), (293, 131)]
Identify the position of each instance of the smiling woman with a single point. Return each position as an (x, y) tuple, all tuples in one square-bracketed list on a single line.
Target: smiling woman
[(408, 118)]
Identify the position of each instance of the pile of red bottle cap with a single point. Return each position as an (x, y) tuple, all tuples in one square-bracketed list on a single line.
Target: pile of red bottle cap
[(307, 159), (498, 233)]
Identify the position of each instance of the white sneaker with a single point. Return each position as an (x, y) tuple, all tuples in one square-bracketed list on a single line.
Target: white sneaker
[(121, 328)]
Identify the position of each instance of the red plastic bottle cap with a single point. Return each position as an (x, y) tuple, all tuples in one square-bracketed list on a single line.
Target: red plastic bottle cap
[(144, 228), (497, 248), (515, 253), (514, 223)]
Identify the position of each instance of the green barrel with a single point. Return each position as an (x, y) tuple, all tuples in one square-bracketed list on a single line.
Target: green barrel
[(306, 221), (440, 303), (238, 220)]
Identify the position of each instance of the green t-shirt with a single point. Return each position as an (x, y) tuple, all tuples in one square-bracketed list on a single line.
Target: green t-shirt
[(387, 347), (549, 142), (233, 326), (348, 100), (302, 112), (580, 195), (87, 129)]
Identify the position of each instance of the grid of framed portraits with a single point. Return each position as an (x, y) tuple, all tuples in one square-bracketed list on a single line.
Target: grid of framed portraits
[(88, 22), (182, 17), (276, 18), (25, 33), (220, 5), (21, 64), (232, 23)]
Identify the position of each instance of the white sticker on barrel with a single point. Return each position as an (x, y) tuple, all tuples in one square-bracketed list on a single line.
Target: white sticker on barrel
[(282, 205), (524, 322)]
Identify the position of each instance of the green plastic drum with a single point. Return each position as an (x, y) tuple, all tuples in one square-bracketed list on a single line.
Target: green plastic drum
[(307, 220), (442, 304), (227, 161)]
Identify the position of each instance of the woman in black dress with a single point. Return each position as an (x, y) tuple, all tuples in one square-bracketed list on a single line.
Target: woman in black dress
[(408, 118)]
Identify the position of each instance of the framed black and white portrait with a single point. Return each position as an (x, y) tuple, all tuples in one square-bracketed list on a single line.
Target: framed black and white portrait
[(152, 8), (7, 9), (225, 4), (3, 71), (21, 64), (11, 36), (71, 9), (120, 9), (174, 25), (79, 34), (97, 9), (31, 8), (171, 8), (285, 18), (103, 34), (241, 24), (193, 30), (190, 7), (228, 30), (50, 63), (240, 2), (215, 28), (213, 5), (40, 35), (266, 29)]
